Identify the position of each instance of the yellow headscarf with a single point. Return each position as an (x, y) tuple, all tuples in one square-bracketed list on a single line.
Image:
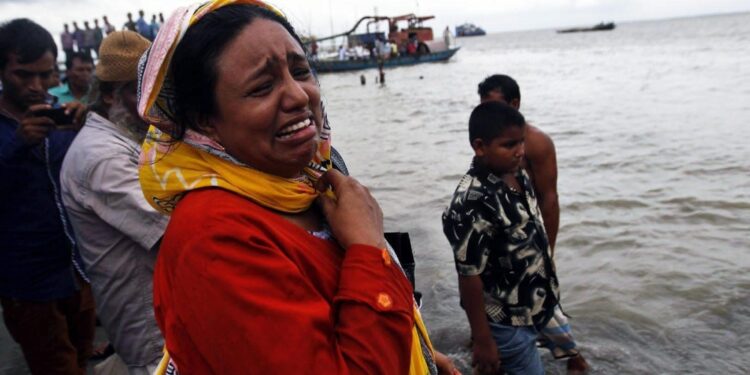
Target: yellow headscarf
[(170, 169)]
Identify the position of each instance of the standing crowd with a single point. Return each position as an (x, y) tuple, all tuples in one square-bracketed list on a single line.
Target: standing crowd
[(210, 151), (89, 39)]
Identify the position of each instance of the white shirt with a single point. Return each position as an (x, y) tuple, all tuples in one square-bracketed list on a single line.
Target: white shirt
[(116, 230)]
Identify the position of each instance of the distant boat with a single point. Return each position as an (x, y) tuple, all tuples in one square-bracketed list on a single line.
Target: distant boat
[(469, 29), (600, 27), (425, 48)]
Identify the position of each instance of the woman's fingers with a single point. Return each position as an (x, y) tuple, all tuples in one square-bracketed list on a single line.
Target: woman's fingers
[(354, 216)]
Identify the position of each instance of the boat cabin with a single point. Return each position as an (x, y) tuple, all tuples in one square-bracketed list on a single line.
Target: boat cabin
[(413, 29)]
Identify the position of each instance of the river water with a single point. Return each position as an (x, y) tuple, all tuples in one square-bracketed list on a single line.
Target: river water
[(650, 122)]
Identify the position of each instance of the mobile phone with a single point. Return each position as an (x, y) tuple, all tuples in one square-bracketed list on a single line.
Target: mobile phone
[(57, 115)]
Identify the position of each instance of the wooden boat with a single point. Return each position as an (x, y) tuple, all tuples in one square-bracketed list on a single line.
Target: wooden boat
[(427, 49), (600, 27), (332, 66)]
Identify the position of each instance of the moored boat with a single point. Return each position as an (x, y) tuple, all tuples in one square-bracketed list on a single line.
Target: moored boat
[(332, 66), (411, 44)]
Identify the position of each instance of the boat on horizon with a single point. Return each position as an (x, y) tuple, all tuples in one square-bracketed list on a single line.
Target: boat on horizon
[(602, 26), (469, 29), (414, 44)]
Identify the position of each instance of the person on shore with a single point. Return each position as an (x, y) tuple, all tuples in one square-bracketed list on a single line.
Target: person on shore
[(154, 27), (540, 161), (98, 37), (129, 24), (277, 276), (506, 274), (142, 26), (79, 37), (89, 39), (78, 73), (117, 230), (45, 296), (108, 27), (67, 42)]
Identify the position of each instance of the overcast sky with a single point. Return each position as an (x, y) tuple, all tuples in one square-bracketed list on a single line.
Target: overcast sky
[(321, 16)]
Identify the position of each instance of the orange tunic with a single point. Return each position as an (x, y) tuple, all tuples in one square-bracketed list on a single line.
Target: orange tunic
[(240, 290)]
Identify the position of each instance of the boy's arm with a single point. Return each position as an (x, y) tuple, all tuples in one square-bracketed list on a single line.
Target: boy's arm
[(485, 356)]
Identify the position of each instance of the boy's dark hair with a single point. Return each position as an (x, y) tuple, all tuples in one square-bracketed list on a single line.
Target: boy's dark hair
[(83, 57), (489, 119), (26, 39), (195, 58), (505, 84)]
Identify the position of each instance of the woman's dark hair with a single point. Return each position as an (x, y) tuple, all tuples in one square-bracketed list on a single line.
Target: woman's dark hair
[(489, 119), (194, 61), (26, 39), (505, 84)]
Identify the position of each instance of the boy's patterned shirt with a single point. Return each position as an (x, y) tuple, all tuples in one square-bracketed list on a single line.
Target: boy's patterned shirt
[(498, 234)]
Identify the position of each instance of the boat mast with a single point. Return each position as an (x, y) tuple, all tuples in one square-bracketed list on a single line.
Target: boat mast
[(330, 16)]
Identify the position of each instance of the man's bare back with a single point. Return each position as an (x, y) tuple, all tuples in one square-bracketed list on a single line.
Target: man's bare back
[(541, 162)]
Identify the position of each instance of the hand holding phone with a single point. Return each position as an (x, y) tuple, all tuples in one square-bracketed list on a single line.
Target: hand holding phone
[(32, 128), (61, 119)]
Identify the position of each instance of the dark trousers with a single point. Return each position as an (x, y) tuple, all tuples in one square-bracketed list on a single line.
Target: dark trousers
[(68, 53), (56, 337)]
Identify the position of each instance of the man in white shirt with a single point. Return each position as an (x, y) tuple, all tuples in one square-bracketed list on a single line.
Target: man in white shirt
[(117, 230)]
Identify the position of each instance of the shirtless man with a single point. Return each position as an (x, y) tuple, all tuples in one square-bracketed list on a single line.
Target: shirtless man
[(541, 163), (541, 159)]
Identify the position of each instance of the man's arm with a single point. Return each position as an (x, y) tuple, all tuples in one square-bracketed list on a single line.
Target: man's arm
[(485, 355), (540, 151), (114, 194)]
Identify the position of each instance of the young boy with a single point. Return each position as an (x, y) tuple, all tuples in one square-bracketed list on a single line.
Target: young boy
[(506, 276)]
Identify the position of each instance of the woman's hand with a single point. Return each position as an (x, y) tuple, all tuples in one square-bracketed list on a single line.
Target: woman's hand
[(354, 215), (445, 365)]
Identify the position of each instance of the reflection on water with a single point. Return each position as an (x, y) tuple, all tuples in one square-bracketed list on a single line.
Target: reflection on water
[(649, 122)]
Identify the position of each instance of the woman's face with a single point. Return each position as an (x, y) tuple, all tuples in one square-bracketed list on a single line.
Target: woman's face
[(268, 101)]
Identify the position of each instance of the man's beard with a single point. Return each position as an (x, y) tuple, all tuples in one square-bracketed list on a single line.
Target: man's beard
[(122, 117)]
